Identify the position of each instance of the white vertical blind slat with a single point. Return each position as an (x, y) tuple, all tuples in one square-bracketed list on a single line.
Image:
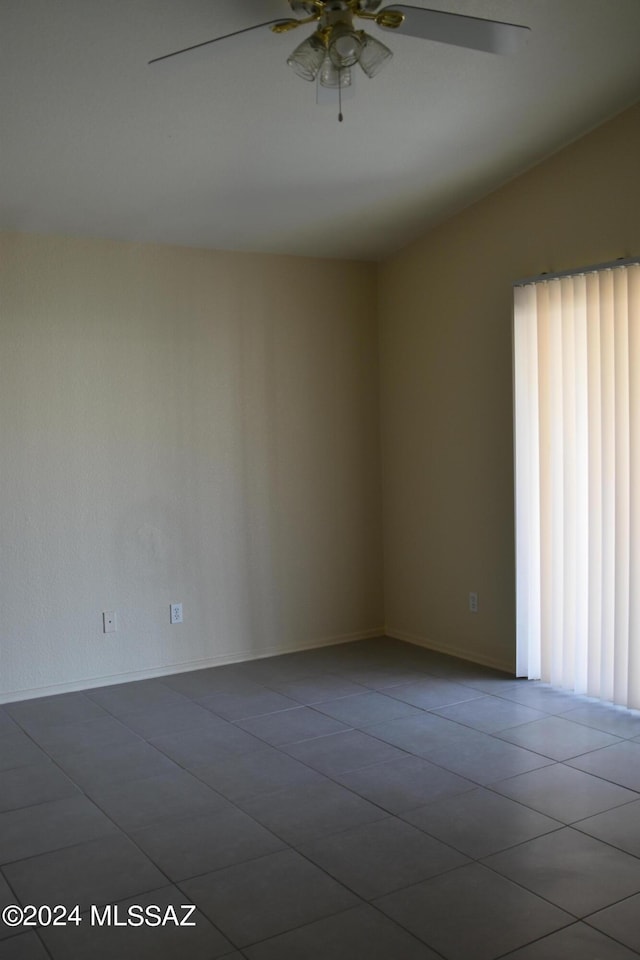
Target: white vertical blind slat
[(581, 632), (553, 662), (545, 420), (608, 470), (634, 486), (621, 576), (569, 533), (594, 420), (527, 491)]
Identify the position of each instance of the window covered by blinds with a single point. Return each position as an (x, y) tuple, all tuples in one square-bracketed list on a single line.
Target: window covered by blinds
[(577, 476)]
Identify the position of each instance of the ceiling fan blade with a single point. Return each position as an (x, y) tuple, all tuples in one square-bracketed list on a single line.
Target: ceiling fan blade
[(492, 36), (198, 49)]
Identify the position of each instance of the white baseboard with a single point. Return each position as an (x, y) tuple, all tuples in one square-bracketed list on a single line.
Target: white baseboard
[(240, 656), (452, 651)]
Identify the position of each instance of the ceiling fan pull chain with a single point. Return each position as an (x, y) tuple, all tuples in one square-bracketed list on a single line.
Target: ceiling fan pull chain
[(340, 117)]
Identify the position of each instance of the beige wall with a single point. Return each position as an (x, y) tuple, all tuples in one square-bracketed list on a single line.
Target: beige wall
[(445, 346), (182, 425)]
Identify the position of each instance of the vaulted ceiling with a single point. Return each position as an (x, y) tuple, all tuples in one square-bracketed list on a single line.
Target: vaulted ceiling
[(231, 151)]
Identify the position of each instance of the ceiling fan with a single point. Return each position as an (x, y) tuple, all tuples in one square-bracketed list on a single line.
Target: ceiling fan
[(337, 45)]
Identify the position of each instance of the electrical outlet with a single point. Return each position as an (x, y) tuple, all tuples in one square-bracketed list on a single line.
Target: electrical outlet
[(176, 613), (473, 603), (109, 624)]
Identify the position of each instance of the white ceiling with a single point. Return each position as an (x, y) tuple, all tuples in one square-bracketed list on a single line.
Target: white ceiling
[(232, 151)]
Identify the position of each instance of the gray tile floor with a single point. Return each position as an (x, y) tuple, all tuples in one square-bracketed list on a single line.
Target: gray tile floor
[(370, 801)]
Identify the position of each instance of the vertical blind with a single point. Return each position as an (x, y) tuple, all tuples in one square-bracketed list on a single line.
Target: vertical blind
[(577, 481)]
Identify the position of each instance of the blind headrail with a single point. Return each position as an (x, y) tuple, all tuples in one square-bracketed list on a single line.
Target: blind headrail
[(611, 265)]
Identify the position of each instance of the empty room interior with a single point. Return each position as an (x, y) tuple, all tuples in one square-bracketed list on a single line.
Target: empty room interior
[(319, 568)]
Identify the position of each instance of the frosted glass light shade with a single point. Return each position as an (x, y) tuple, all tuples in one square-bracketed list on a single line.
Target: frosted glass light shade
[(332, 77), (373, 55), (345, 46), (307, 59)]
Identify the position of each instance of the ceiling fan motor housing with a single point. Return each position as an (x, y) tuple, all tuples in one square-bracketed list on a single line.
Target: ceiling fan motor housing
[(310, 7)]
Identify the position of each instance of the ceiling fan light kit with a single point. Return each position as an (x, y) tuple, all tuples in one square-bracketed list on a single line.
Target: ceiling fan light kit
[(343, 45), (335, 46)]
